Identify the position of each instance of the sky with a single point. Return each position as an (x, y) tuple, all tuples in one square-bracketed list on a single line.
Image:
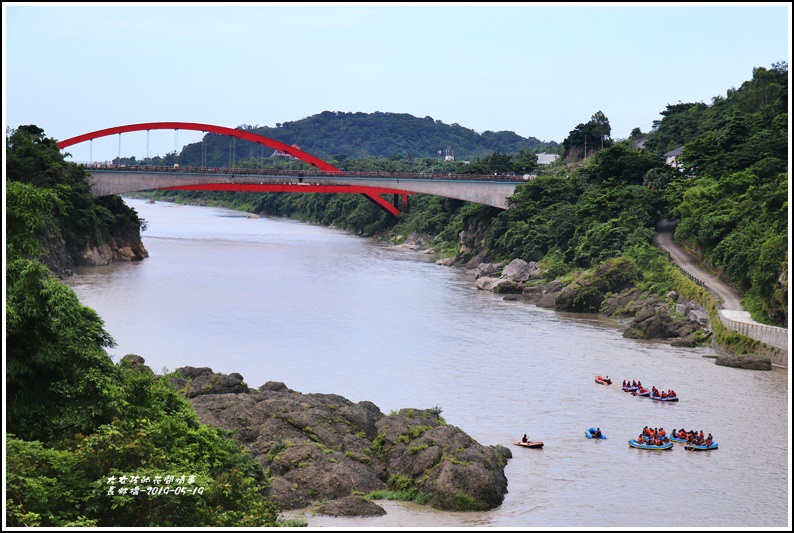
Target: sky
[(536, 69)]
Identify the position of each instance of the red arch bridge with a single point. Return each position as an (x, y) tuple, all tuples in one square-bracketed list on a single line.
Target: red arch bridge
[(323, 178)]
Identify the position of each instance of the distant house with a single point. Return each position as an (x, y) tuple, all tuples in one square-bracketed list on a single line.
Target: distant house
[(670, 158), (547, 159), (279, 153), (638, 143)]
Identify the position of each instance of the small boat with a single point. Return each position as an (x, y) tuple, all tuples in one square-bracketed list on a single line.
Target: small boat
[(700, 448), (630, 388), (590, 433), (603, 381), (634, 444), (530, 444), (676, 439), (663, 398), (642, 391)]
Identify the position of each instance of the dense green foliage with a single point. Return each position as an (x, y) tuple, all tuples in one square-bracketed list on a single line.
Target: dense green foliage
[(587, 138), (732, 198), (76, 217), (728, 196), (338, 135), (76, 422)]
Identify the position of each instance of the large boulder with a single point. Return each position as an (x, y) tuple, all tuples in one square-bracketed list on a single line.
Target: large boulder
[(656, 321), (199, 381), (351, 506), (747, 362), (442, 462), (519, 270), (323, 447), (499, 285), (488, 270), (548, 297)]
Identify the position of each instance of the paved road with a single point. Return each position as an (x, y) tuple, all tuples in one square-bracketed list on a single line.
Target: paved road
[(731, 306)]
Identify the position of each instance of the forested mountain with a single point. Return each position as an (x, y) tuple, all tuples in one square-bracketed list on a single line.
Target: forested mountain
[(727, 194), (342, 136)]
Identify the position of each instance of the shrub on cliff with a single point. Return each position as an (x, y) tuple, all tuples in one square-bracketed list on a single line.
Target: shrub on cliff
[(78, 424), (79, 219)]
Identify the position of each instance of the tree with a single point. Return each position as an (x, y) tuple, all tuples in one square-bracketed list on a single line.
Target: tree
[(526, 162), (593, 135), (622, 163), (74, 419), (495, 163)]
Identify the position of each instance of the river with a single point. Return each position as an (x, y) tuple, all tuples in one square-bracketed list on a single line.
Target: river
[(325, 311)]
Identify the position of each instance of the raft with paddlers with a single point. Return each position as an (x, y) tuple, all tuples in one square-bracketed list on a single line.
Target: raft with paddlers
[(694, 440), (634, 444), (631, 385), (593, 433), (700, 447)]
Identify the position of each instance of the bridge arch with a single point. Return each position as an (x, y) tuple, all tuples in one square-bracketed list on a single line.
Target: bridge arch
[(193, 126)]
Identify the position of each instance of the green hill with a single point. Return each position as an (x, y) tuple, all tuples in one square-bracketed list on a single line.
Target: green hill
[(342, 135)]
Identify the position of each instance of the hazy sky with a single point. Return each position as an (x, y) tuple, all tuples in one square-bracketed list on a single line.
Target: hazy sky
[(536, 69)]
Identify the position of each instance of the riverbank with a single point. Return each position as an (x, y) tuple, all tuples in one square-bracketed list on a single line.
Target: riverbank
[(680, 321)]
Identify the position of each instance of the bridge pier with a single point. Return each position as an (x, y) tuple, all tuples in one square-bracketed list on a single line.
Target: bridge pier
[(402, 206)]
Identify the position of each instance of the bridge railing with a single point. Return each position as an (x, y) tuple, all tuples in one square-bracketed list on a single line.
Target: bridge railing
[(301, 173)]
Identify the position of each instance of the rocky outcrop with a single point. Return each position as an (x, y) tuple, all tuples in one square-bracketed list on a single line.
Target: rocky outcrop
[(472, 252), (319, 447), (519, 270), (62, 261), (499, 285), (110, 252), (512, 279), (487, 270), (543, 295), (647, 316), (413, 242), (200, 381), (656, 321), (56, 257), (748, 362)]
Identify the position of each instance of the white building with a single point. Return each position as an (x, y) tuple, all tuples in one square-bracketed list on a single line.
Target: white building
[(547, 159), (670, 158)]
